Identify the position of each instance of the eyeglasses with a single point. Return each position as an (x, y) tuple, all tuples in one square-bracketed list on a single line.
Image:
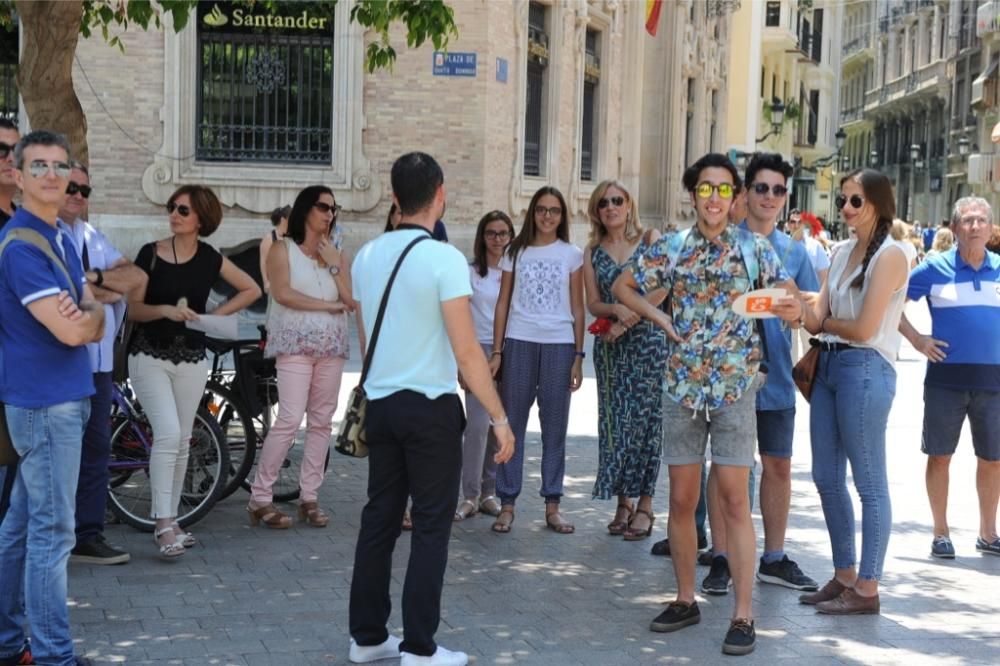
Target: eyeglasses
[(542, 211), (704, 190), (183, 211), (489, 234), (617, 201), (856, 201), (324, 207), (76, 188), (39, 168), (764, 188), (5, 150)]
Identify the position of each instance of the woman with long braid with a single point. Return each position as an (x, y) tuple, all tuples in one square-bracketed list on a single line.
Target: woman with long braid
[(856, 318)]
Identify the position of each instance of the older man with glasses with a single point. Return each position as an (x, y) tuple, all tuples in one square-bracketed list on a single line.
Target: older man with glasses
[(962, 288)]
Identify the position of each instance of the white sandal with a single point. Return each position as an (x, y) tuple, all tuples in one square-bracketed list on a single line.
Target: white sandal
[(168, 550), (186, 538)]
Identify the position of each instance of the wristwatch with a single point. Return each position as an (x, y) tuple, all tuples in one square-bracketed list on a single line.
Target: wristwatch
[(334, 270)]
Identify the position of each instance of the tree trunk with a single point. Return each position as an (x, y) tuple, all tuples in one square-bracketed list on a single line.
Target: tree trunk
[(51, 30)]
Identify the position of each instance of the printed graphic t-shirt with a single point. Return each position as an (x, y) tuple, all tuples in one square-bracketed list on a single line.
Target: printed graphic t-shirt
[(540, 305)]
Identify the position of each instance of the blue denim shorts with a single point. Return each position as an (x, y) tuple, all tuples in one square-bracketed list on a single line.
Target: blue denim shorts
[(775, 432), (945, 410)]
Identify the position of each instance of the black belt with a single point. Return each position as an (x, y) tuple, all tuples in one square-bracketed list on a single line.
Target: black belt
[(829, 346)]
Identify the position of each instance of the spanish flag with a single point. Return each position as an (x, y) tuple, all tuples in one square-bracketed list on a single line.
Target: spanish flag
[(653, 15)]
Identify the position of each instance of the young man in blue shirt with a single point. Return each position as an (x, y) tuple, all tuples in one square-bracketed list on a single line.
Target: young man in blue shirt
[(414, 418), (962, 288), (43, 333)]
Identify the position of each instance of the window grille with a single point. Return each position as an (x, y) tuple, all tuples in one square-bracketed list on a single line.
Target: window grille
[(265, 90), (538, 43)]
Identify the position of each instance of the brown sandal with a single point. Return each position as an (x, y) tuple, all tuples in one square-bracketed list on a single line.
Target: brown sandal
[(554, 521), (502, 525), (617, 527), (631, 534), (270, 516), (313, 515)]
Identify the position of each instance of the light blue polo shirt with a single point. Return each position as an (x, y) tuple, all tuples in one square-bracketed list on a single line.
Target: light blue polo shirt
[(779, 390), (413, 351), (36, 369), (101, 254), (965, 313)]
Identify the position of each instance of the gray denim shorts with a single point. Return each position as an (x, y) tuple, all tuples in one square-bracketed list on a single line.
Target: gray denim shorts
[(733, 429)]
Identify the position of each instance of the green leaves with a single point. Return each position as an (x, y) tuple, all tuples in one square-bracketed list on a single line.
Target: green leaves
[(424, 19)]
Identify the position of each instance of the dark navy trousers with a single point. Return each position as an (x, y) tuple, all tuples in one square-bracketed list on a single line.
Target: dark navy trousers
[(92, 489), (531, 372)]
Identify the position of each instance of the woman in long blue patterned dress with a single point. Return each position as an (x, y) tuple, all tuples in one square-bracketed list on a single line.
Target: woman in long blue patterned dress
[(630, 362)]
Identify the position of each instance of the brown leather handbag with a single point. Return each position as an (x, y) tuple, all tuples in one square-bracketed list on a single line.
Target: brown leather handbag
[(804, 372)]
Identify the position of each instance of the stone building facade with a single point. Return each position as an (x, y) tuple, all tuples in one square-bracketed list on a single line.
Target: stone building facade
[(553, 92)]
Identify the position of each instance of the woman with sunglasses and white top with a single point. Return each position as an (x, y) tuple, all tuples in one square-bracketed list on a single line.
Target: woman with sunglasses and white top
[(167, 362), (538, 332), (307, 334), (857, 320)]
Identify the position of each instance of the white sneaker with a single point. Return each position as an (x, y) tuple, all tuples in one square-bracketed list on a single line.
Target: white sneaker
[(362, 654), (441, 657)]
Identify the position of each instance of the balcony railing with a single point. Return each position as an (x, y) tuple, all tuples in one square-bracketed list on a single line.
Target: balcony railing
[(883, 25), (855, 45), (988, 18), (851, 115)]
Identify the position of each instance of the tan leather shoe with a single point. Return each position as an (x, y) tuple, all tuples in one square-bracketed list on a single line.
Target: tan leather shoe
[(849, 603)]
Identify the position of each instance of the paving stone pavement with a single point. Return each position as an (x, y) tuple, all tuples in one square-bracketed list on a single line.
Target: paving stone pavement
[(257, 597)]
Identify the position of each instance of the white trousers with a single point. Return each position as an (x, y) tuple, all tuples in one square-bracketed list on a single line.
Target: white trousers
[(169, 394)]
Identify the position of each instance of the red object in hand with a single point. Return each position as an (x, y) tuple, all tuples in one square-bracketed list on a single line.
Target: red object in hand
[(600, 326)]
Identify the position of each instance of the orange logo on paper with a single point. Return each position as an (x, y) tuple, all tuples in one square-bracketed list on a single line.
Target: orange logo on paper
[(759, 304)]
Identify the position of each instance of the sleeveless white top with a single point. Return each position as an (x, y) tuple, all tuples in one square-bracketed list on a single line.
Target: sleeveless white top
[(293, 332), (846, 301)]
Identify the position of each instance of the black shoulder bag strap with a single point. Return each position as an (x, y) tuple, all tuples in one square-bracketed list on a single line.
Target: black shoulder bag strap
[(382, 305)]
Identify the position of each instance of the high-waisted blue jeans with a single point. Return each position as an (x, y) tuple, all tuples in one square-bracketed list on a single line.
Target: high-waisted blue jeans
[(851, 398)]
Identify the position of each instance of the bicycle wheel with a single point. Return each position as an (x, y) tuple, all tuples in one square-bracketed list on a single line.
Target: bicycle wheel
[(286, 486), (130, 493), (239, 431)]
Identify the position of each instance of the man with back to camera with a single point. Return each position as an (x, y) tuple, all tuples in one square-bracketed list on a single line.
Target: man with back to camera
[(43, 333), (9, 137), (110, 275), (712, 377), (414, 418), (962, 287)]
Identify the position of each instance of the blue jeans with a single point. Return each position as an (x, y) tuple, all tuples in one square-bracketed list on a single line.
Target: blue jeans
[(851, 397), (38, 532)]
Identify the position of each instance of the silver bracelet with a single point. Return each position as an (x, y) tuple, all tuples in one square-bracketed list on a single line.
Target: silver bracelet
[(502, 422)]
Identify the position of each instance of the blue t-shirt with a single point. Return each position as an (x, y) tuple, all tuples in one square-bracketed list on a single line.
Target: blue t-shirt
[(928, 238), (36, 369), (413, 351), (965, 313), (778, 391)]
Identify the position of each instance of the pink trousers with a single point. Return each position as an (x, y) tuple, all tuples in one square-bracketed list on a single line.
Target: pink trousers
[(306, 387)]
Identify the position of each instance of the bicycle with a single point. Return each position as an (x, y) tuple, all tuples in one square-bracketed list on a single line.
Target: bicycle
[(129, 489)]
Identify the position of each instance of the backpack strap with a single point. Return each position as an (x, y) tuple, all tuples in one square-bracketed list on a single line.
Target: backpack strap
[(32, 237)]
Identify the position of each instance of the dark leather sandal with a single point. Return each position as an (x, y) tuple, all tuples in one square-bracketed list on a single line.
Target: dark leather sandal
[(617, 527), (502, 525), (555, 522), (313, 515), (632, 534), (270, 516)]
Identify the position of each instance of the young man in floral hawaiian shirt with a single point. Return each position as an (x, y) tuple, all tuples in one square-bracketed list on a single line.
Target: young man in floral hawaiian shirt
[(712, 378)]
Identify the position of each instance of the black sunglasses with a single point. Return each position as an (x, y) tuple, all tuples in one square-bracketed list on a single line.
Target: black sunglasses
[(617, 201), (856, 201), (183, 211), (326, 208), (5, 150), (764, 188), (76, 188)]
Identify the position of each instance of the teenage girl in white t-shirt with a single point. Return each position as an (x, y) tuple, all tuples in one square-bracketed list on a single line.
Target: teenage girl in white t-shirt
[(538, 336), (479, 471)]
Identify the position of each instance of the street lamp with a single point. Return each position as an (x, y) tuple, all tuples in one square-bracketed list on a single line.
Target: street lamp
[(914, 152), (873, 158), (917, 163), (845, 162), (963, 146), (840, 138), (777, 117)]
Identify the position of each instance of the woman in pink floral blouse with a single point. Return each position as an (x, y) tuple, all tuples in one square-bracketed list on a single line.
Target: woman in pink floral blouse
[(307, 332)]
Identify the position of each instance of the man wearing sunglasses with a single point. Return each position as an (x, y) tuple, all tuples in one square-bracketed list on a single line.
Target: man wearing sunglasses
[(46, 394), (110, 275), (767, 176), (712, 377), (9, 137)]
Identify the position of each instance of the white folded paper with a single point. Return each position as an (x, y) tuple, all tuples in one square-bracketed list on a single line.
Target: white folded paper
[(225, 327)]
